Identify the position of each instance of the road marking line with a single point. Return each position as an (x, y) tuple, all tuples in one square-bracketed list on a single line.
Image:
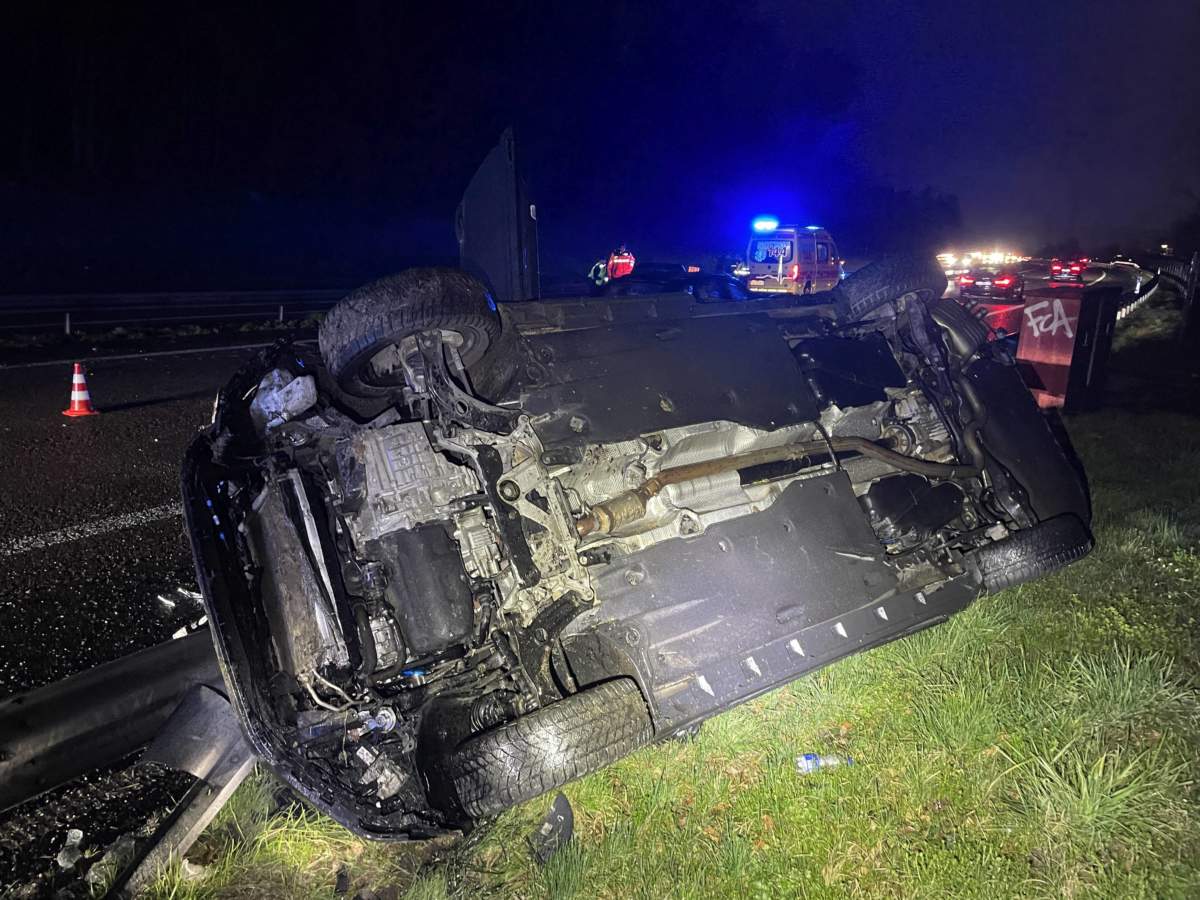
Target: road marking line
[(90, 529)]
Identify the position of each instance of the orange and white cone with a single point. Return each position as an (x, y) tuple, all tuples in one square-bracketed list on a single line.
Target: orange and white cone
[(81, 400)]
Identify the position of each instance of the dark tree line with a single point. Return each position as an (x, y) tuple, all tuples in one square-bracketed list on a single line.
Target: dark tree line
[(1185, 231), (295, 142)]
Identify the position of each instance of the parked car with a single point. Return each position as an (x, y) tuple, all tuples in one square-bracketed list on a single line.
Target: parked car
[(669, 278), (793, 259), (466, 554)]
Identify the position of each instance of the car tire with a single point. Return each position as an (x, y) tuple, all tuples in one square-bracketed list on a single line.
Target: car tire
[(1030, 553), (383, 313), (549, 747), (885, 280)]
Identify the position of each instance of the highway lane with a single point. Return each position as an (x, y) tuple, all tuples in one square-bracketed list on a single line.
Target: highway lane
[(1037, 275), (89, 530)]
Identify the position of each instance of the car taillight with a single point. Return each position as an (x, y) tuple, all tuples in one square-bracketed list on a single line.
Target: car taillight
[(1002, 282), (795, 271), (1076, 269), (1055, 267), (966, 280)]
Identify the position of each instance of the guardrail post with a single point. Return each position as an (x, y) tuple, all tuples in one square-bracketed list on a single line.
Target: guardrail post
[(67, 324), (280, 312)]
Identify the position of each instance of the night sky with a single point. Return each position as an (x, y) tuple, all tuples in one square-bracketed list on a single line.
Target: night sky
[(239, 145)]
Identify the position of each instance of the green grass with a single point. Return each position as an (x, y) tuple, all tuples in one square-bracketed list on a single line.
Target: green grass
[(1044, 743)]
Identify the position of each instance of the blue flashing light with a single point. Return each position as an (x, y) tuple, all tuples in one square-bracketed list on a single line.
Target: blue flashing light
[(812, 227), (763, 224)]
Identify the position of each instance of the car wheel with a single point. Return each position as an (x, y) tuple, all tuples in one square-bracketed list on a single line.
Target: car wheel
[(362, 339), (886, 280), (547, 748), (1030, 553)]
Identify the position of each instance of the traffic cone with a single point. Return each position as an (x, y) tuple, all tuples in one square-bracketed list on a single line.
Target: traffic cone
[(81, 400)]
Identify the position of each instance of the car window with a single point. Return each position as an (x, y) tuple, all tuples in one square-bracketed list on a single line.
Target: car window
[(770, 250), (822, 253)]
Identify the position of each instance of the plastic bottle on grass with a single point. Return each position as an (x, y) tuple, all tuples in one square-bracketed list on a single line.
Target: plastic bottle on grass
[(809, 763)]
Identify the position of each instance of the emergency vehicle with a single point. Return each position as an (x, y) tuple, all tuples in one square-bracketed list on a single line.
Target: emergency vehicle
[(793, 259)]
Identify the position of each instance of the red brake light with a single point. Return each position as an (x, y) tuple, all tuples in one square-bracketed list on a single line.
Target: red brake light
[(1002, 282), (1076, 269), (1055, 267), (795, 271), (966, 280)]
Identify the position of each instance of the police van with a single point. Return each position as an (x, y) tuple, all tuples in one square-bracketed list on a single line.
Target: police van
[(793, 259)]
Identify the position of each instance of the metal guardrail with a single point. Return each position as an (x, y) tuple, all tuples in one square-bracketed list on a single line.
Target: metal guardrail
[(96, 718), (1179, 269), (71, 312), (1185, 275), (1142, 292)]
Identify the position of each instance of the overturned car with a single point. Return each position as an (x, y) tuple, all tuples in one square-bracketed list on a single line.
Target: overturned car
[(469, 553)]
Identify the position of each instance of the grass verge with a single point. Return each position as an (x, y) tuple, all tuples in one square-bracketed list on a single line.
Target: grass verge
[(1042, 743)]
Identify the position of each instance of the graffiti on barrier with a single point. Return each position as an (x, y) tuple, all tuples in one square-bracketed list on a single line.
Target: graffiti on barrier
[(1049, 317)]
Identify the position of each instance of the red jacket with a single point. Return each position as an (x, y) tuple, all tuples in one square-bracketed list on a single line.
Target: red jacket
[(620, 264)]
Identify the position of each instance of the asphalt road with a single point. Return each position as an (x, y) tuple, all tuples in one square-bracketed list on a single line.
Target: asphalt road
[(90, 532), (1038, 275)]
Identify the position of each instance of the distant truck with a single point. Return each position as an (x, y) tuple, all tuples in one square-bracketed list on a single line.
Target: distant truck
[(792, 259)]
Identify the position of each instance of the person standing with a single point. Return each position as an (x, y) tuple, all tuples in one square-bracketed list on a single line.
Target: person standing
[(620, 262)]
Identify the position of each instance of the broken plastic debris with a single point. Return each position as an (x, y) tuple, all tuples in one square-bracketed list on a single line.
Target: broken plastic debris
[(119, 854), (554, 832), (281, 397), (180, 595), (71, 852), (192, 871), (190, 628)]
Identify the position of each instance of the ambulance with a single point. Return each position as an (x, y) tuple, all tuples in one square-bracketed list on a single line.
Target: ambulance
[(792, 259)]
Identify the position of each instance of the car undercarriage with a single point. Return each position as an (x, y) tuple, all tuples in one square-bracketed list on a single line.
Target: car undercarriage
[(466, 554)]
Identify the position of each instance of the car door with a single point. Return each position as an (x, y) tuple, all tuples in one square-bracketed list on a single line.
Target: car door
[(825, 276), (805, 270)]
